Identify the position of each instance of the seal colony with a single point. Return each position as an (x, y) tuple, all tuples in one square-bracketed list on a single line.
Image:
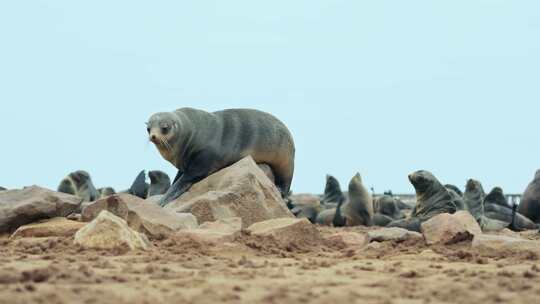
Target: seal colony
[(199, 143)]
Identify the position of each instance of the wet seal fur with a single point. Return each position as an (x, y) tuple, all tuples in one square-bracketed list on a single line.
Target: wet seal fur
[(530, 202), (79, 183), (199, 143)]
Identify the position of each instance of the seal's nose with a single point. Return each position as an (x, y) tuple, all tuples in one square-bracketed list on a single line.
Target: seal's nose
[(153, 137)]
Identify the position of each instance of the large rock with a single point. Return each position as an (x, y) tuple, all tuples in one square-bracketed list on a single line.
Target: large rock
[(448, 228), (141, 215), (500, 245), (56, 227), (20, 207), (287, 232), (305, 199), (220, 231), (241, 190), (108, 231), (393, 234)]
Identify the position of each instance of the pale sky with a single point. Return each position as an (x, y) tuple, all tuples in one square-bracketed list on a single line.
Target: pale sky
[(377, 87)]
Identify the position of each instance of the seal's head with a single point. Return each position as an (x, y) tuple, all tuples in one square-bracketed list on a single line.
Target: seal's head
[(162, 128), (473, 186), (422, 180), (387, 205), (158, 176), (332, 184), (80, 177)]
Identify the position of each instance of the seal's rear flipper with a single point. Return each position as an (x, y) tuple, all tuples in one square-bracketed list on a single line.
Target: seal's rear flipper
[(139, 187)]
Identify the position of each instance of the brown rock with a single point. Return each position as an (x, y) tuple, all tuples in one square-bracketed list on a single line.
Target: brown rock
[(241, 190), (56, 227), (305, 199), (448, 228), (108, 231), (220, 231), (267, 171), (500, 245), (31, 204), (287, 232), (141, 215), (345, 239), (393, 234)]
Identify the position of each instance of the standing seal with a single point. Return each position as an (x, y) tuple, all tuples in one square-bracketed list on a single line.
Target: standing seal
[(199, 143), (159, 183), (474, 197), (530, 202), (332, 192), (79, 183)]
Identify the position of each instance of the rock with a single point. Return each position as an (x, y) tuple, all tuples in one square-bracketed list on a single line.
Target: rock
[(500, 245), (393, 234), (241, 190), (448, 228), (75, 217), (31, 204), (141, 215), (108, 231), (267, 171), (287, 232), (56, 227), (305, 199), (344, 239), (220, 231)]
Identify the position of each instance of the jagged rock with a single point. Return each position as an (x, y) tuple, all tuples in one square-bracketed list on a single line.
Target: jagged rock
[(344, 239), (287, 232), (448, 228), (56, 227), (141, 215), (108, 231), (393, 234), (220, 231), (241, 190), (31, 204), (305, 199), (500, 245)]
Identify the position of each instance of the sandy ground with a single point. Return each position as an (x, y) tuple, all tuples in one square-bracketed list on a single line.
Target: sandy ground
[(53, 270)]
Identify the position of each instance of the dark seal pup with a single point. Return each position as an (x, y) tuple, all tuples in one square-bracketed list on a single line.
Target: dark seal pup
[(79, 183), (530, 202), (200, 143)]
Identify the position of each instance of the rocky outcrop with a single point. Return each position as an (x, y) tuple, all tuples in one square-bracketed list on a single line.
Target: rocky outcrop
[(241, 190)]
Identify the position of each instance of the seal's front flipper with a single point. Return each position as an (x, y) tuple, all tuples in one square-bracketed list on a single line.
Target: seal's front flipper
[(139, 187), (174, 192)]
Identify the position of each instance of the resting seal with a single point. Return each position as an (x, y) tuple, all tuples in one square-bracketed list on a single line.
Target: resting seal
[(79, 183), (106, 191), (530, 202), (432, 198), (496, 196), (199, 143), (159, 183), (2, 189)]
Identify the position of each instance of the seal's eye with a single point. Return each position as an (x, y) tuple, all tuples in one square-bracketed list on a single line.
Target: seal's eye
[(148, 130), (164, 130)]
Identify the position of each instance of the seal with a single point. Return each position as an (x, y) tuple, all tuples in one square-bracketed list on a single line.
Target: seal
[(496, 196), (454, 188), (388, 205), (159, 183), (199, 143), (359, 209), (79, 183), (139, 187), (432, 198), (332, 191), (2, 189), (474, 197), (106, 191), (530, 201)]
